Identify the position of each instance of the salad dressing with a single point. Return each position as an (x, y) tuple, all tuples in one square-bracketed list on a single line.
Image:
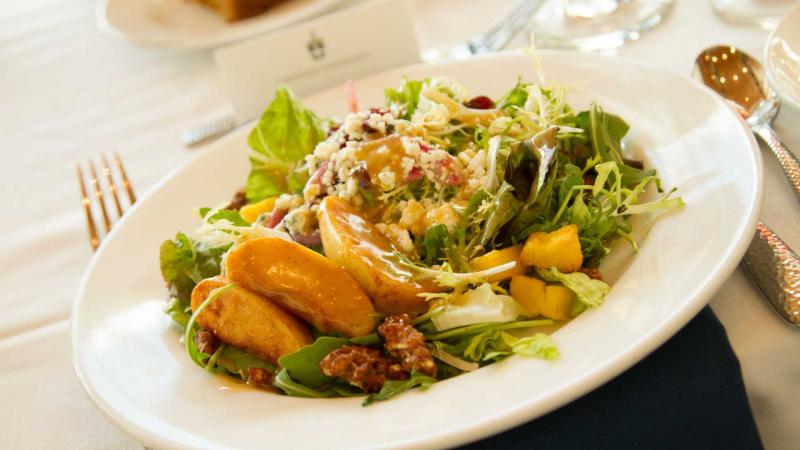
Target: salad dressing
[(383, 153)]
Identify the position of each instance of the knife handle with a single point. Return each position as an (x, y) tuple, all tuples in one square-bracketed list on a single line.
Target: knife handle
[(775, 270), (788, 161)]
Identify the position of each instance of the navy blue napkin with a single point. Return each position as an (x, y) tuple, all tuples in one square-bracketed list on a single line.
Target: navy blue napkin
[(686, 395)]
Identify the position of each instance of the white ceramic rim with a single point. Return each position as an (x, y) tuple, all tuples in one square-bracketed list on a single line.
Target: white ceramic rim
[(494, 424), (772, 78)]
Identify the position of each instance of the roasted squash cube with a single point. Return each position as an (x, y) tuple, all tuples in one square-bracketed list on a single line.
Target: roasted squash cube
[(560, 249), (529, 293), (251, 212), (558, 302), (498, 257)]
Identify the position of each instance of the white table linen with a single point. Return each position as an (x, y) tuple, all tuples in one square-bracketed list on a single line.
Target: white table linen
[(71, 93)]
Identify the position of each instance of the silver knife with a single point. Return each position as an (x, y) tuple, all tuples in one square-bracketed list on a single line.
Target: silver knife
[(775, 269)]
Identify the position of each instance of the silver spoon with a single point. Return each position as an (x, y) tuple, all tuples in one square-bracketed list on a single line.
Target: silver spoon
[(769, 262), (739, 78)]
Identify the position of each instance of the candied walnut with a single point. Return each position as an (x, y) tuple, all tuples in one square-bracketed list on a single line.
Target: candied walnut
[(206, 342), (258, 377), (361, 366), (592, 273), (239, 199), (395, 371), (407, 345)]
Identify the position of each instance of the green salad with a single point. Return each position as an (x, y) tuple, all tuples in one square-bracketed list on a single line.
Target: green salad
[(408, 242)]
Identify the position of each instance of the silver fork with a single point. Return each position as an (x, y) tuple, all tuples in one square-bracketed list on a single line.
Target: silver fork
[(97, 200)]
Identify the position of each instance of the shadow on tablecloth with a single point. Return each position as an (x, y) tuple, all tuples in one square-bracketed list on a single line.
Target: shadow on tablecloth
[(688, 394)]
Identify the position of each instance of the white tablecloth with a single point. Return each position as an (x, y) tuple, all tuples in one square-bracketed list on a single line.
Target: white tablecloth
[(71, 93)]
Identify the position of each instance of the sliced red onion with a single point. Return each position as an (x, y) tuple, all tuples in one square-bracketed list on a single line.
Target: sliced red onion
[(276, 217), (308, 240), (350, 94)]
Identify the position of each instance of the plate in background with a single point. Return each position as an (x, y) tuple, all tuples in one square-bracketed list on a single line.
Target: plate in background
[(783, 58), (187, 24), (129, 359)]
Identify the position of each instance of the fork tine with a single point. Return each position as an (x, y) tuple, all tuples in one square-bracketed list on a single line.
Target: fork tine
[(111, 185), (98, 193), (124, 175), (93, 236)]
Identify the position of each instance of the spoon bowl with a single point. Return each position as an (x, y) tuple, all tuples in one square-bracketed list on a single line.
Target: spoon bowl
[(739, 78)]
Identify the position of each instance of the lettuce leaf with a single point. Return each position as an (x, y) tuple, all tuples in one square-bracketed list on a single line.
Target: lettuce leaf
[(284, 135), (184, 263), (230, 215), (516, 97), (478, 305), (539, 345), (589, 292)]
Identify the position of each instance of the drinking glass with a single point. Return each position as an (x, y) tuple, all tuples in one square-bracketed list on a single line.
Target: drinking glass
[(763, 13), (595, 24)]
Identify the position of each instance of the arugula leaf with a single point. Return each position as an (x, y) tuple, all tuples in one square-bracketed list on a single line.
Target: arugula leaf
[(292, 388), (184, 263), (284, 135), (605, 132), (573, 176), (237, 362), (589, 292), (406, 98), (394, 388), (230, 215), (502, 209), (303, 365), (435, 244)]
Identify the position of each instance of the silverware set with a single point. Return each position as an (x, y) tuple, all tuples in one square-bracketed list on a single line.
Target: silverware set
[(769, 262)]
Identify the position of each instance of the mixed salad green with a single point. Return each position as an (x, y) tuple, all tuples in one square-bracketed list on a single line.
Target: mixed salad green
[(501, 211)]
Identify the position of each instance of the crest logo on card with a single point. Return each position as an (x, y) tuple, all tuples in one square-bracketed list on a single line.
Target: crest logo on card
[(316, 47)]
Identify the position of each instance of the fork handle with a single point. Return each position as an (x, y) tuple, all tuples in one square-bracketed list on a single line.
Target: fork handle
[(775, 270), (788, 161), (509, 26)]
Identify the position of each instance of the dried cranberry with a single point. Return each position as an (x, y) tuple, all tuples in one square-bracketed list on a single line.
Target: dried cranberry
[(380, 111), (415, 174), (480, 102), (368, 128)]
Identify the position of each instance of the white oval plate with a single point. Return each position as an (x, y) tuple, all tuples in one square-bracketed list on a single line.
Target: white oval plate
[(129, 359), (185, 24), (783, 58)]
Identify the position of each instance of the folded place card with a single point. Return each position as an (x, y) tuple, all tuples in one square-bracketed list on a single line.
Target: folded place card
[(358, 41)]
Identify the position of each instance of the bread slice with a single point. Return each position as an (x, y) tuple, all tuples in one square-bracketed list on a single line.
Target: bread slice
[(233, 10)]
